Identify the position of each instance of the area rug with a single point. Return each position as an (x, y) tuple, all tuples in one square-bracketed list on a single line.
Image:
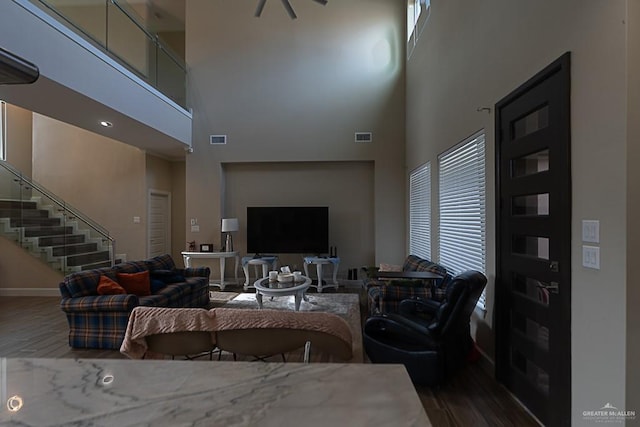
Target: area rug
[(346, 306)]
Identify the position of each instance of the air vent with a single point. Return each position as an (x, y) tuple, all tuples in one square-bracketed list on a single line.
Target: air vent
[(364, 137), (217, 139)]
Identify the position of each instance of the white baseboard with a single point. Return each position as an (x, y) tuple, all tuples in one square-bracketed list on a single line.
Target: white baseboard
[(29, 292)]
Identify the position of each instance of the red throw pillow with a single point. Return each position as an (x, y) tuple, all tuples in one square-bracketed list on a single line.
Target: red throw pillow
[(136, 283), (107, 286)]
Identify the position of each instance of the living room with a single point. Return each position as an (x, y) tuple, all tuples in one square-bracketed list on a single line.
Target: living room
[(290, 101)]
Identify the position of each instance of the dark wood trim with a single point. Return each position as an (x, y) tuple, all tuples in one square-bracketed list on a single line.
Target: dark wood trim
[(561, 401)]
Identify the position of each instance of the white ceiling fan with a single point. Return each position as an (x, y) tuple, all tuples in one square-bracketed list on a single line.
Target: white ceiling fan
[(287, 6)]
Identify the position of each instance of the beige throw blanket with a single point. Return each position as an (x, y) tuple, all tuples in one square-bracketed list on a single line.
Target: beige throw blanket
[(145, 321), (237, 318)]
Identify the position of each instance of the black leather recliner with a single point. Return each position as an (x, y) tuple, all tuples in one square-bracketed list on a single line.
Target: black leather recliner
[(432, 339)]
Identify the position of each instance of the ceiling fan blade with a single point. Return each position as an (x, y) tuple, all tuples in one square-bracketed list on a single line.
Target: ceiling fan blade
[(322, 2), (260, 7), (290, 11)]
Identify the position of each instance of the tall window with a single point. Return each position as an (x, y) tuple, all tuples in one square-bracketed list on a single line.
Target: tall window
[(420, 212), (417, 14), (3, 131), (462, 206)]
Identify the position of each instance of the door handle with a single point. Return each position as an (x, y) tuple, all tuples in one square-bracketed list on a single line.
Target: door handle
[(553, 287)]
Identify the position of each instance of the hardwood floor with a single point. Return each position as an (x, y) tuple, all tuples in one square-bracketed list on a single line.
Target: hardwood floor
[(36, 327)]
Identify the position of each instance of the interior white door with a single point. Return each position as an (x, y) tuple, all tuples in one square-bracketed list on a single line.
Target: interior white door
[(159, 223)]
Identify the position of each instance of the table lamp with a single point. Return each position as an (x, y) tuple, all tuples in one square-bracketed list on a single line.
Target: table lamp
[(228, 226)]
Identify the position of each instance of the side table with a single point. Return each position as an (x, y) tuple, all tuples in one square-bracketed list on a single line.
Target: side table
[(222, 256), (319, 262), (268, 262), (277, 289)]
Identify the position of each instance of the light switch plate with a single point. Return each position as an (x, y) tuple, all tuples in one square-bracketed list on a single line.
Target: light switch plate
[(591, 257), (591, 231), (136, 220)]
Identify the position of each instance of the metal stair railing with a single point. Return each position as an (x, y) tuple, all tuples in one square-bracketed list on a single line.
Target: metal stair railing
[(50, 228)]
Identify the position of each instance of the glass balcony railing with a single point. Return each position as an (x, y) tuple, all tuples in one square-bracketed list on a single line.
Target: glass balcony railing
[(116, 27), (48, 227)]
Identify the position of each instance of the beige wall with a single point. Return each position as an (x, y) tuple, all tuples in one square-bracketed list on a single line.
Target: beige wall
[(103, 178), (296, 91), (18, 150), (19, 134), (345, 187), (178, 210), (32, 277), (158, 173), (495, 47)]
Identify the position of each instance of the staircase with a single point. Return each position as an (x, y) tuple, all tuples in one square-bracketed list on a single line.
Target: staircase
[(49, 228)]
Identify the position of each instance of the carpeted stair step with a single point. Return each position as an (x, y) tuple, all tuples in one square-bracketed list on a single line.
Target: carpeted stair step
[(82, 248), (17, 204), (30, 222), (23, 213), (68, 239), (96, 265), (88, 258), (47, 231)]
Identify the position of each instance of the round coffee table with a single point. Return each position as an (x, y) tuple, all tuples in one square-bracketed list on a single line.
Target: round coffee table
[(280, 289)]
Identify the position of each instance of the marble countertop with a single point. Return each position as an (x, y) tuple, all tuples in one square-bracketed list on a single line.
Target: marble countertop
[(113, 392)]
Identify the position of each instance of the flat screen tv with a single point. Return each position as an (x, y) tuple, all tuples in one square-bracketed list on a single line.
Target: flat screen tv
[(288, 230)]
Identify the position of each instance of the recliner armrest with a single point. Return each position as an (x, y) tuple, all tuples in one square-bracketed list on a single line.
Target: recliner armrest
[(403, 329), (413, 307)]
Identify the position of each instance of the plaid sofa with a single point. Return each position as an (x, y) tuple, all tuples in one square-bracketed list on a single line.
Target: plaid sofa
[(384, 296), (100, 321)]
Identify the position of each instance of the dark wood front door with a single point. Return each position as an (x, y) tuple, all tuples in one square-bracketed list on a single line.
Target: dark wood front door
[(533, 283)]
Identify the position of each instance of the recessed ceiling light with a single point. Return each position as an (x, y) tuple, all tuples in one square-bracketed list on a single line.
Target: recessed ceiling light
[(106, 124)]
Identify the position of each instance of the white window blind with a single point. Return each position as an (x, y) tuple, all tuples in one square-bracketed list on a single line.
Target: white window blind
[(462, 181), (420, 212)]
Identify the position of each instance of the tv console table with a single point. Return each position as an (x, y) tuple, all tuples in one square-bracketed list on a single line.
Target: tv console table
[(222, 256), (319, 262)]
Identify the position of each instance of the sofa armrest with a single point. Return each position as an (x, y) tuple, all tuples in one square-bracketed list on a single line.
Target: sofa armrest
[(97, 303), (428, 275), (197, 272)]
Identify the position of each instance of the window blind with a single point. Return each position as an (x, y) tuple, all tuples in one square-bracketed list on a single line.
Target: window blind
[(420, 212), (462, 240)]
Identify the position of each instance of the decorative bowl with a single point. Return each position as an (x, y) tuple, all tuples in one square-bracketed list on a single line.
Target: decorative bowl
[(285, 277)]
